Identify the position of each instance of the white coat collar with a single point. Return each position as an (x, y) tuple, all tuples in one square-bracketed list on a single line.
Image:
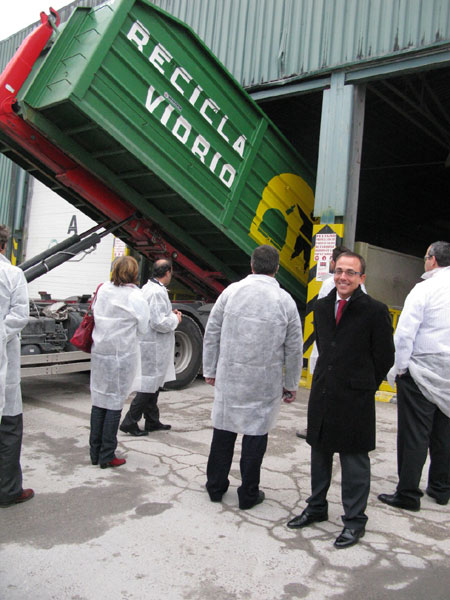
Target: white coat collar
[(154, 280), (261, 277), (433, 272)]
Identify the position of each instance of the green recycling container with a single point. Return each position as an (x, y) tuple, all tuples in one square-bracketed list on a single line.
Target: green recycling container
[(134, 96)]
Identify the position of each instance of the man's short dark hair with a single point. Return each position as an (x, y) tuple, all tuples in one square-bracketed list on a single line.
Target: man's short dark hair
[(441, 252), (161, 266), (338, 251), (351, 254), (265, 260), (4, 235)]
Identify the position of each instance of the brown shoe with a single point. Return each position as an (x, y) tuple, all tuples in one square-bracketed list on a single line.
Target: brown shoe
[(24, 496)]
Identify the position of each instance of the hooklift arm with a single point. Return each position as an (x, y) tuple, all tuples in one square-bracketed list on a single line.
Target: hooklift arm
[(35, 152), (58, 247), (59, 254)]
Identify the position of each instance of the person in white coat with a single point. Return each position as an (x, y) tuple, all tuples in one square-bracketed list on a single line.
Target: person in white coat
[(422, 373), (14, 312), (157, 353), (253, 333), (2, 365), (120, 315)]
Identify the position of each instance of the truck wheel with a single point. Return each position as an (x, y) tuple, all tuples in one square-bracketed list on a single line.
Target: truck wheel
[(30, 349), (188, 353)]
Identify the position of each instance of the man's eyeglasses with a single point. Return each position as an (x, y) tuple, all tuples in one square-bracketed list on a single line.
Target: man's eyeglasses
[(348, 272), (427, 257)]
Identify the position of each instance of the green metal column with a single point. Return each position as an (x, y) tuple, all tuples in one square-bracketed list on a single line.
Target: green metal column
[(339, 163)]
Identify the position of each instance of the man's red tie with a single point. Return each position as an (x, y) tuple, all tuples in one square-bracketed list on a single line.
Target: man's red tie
[(340, 310)]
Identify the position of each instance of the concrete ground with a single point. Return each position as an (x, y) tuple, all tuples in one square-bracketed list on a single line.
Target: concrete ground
[(148, 529)]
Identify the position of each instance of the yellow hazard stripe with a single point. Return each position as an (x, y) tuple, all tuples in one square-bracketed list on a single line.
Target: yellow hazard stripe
[(14, 251), (313, 290)]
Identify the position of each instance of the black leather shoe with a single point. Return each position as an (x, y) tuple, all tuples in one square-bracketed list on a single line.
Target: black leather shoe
[(306, 519), (158, 427), (133, 430), (259, 499), (398, 502), (441, 501), (302, 434), (348, 537), (215, 498)]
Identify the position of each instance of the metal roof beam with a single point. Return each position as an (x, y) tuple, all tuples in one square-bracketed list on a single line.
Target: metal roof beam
[(291, 89), (401, 66)]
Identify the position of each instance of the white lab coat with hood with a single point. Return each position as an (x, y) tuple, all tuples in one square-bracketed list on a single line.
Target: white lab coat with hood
[(422, 338), (14, 308), (253, 331), (121, 315), (157, 346), (2, 365)]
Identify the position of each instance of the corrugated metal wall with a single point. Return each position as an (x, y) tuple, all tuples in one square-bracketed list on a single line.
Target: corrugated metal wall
[(5, 186), (262, 41)]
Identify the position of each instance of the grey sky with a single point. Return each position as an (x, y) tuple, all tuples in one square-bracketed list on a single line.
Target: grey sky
[(17, 14)]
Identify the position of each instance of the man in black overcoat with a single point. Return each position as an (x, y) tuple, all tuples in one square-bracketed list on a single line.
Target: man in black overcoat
[(354, 339)]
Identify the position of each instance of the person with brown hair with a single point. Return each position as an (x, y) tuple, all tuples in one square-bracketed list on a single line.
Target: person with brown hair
[(121, 315)]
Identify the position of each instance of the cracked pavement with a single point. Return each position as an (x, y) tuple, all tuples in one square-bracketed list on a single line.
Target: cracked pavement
[(148, 529)]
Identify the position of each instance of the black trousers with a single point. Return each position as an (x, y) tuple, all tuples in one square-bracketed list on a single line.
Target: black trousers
[(355, 485), (143, 404), (219, 464), (103, 437), (422, 427), (11, 429)]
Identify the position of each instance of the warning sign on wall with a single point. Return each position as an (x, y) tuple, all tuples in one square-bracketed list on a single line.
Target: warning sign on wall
[(325, 244)]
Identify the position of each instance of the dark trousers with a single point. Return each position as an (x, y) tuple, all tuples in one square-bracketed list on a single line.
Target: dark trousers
[(422, 426), (143, 404), (219, 464), (355, 485), (103, 437), (11, 429)]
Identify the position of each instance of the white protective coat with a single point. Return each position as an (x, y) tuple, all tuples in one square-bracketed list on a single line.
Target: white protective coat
[(121, 315), (422, 338), (253, 331), (2, 365), (157, 346), (14, 308)]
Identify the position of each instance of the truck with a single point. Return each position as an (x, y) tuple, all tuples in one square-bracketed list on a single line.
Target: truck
[(126, 114)]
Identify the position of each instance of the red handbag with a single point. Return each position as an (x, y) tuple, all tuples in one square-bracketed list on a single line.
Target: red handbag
[(82, 338)]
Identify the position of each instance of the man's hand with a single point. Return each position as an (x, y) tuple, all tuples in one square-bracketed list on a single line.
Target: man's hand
[(210, 380), (289, 395), (178, 313)]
